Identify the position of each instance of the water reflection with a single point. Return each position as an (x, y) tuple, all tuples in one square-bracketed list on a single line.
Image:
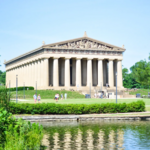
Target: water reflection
[(120, 139), (56, 141), (78, 140), (89, 139), (67, 141), (100, 139), (111, 140), (98, 136)]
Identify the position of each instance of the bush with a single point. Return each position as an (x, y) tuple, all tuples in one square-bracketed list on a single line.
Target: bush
[(5, 121), (21, 88), (51, 108), (18, 134), (4, 99), (23, 136)]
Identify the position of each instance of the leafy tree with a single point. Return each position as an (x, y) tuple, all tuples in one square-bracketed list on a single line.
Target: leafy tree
[(2, 77), (128, 79), (141, 72)]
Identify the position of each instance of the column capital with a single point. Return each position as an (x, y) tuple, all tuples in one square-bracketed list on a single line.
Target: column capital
[(56, 57), (67, 57), (44, 57), (89, 58), (119, 59), (100, 58), (78, 58), (111, 59)]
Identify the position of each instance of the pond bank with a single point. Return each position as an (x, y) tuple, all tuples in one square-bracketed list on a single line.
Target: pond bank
[(84, 117)]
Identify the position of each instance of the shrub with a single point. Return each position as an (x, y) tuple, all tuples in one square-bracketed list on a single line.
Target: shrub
[(4, 99), (51, 108), (21, 88), (18, 134), (23, 136), (5, 121)]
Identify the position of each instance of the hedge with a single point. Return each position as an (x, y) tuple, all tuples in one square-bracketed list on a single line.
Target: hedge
[(51, 108), (21, 88)]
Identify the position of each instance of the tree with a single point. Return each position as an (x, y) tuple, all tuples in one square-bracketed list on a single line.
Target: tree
[(2, 77), (128, 80), (141, 72)]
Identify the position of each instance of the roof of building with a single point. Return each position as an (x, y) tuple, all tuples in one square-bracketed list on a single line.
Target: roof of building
[(65, 45)]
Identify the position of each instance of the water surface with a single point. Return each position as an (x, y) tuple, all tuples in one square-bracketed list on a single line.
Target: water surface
[(99, 135)]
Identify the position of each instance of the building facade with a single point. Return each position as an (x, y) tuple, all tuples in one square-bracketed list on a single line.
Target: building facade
[(73, 64)]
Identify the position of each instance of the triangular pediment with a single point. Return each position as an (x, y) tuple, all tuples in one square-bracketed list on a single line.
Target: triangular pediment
[(84, 43)]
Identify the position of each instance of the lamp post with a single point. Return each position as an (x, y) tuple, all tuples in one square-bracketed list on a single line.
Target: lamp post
[(116, 87), (16, 88)]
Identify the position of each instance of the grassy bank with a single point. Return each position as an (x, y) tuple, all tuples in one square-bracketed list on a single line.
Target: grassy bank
[(141, 91), (47, 94)]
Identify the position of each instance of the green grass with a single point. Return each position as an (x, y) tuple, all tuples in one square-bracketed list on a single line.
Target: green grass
[(47, 94), (141, 91), (2, 86), (87, 101)]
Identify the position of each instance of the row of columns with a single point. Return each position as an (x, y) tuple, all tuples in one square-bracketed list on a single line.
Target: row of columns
[(29, 73), (89, 72), (38, 71)]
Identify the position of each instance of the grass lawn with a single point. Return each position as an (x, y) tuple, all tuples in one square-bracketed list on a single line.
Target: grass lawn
[(141, 91), (2, 86), (86, 101), (47, 94)]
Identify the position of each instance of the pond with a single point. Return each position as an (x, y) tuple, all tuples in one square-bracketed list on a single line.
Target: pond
[(104, 135)]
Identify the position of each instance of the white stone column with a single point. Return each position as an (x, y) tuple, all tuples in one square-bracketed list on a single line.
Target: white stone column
[(119, 73), (17, 68), (89, 72), (27, 79), (19, 76), (30, 66), (14, 76), (46, 73), (23, 74), (111, 74), (55, 73), (67, 72), (42, 70), (35, 73), (29, 74), (100, 72), (32, 73), (39, 73), (78, 72), (11, 75)]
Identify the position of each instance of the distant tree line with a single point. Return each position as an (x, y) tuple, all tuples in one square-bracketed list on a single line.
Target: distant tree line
[(139, 76), (2, 77)]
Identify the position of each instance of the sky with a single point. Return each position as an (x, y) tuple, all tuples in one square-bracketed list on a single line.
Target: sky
[(25, 24)]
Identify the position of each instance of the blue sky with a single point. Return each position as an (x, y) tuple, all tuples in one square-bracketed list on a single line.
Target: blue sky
[(25, 24)]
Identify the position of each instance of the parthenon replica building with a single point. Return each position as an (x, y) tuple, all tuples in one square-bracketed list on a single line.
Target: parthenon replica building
[(74, 64)]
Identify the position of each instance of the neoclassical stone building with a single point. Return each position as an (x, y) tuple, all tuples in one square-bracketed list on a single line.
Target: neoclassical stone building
[(73, 64)]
